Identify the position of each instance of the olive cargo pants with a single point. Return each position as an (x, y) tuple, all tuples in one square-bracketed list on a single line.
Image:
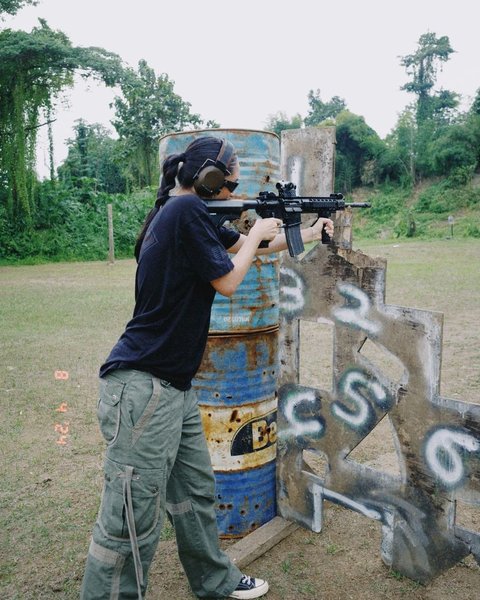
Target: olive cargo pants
[(156, 458)]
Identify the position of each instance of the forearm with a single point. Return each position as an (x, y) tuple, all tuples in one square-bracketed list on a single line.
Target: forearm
[(242, 261)]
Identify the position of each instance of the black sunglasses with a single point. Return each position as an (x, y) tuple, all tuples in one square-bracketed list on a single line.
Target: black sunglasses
[(230, 185)]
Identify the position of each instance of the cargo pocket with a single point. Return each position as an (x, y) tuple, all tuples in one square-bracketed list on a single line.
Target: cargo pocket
[(144, 487), (108, 408), (141, 421)]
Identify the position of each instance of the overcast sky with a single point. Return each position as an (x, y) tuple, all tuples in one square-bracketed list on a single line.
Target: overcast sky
[(239, 62)]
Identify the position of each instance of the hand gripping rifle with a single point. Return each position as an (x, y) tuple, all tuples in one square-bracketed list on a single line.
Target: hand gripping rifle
[(285, 206)]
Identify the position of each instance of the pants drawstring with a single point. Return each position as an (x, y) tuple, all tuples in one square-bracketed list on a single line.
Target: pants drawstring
[(127, 500)]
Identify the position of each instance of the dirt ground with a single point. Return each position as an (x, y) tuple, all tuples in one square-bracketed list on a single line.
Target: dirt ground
[(66, 317)]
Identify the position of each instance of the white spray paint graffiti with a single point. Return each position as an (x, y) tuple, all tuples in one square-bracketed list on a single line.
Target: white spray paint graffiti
[(356, 314), (292, 297), (320, 493), (413, 527), (353, 504), (443, 457), (363, 412), (362, 391), (295, 170), (436, 439), (300, 427)]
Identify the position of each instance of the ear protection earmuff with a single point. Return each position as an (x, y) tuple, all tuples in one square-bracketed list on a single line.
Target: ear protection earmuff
[(210, 177)]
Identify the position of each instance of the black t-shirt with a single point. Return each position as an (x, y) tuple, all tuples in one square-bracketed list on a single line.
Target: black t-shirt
[(182, 252)]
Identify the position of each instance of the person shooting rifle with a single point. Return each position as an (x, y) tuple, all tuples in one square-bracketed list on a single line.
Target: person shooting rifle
[(157, 458)]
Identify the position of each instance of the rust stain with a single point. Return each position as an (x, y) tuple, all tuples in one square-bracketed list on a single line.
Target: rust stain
[(232, 445), (220, 345)]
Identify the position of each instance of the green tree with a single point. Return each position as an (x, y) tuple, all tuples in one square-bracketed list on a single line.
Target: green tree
[(434, 110), (93, 161), (358, 151), (475, 108), (280, 121), (422, 67), (322, 111), (148, 109), (11, 7), (34, 68), (474, 123), (399, 160), (455, 152)]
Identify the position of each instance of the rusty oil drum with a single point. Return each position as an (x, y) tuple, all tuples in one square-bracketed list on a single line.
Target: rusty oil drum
[(255, 304), (236, 386), (236, 382)]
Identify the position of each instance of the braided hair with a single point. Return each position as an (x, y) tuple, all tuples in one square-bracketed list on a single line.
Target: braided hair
[(182, 167)]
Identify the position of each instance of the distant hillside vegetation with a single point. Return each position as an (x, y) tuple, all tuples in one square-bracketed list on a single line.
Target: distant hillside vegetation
[(422, 211)]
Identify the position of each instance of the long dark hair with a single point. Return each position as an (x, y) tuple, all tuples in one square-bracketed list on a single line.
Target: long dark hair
[(191, 160)]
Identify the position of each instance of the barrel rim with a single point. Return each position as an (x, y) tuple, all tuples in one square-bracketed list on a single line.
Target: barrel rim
[(236, 333), (219, 130)]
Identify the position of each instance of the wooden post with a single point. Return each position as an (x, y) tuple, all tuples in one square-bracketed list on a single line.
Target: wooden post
[(451, 221), (111, 246), (263, 539)]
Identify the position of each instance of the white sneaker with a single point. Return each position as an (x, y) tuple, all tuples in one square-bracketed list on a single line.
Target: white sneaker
[(249, 587)]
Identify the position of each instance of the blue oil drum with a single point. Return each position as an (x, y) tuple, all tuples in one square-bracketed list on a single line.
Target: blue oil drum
[(245, 500), (236, 382), (236, 389), (255, 304)]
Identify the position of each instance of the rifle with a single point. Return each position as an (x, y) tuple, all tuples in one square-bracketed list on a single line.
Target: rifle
[(285, 206)]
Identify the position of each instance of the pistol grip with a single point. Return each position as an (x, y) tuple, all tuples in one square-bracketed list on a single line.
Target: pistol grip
[(326, 239)]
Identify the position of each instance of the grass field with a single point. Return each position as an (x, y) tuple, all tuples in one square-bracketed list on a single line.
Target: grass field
[(60, 319)]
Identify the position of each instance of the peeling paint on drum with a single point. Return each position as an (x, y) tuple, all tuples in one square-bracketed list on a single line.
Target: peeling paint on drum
[(255, 305), (238, 369), (243, 437)]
